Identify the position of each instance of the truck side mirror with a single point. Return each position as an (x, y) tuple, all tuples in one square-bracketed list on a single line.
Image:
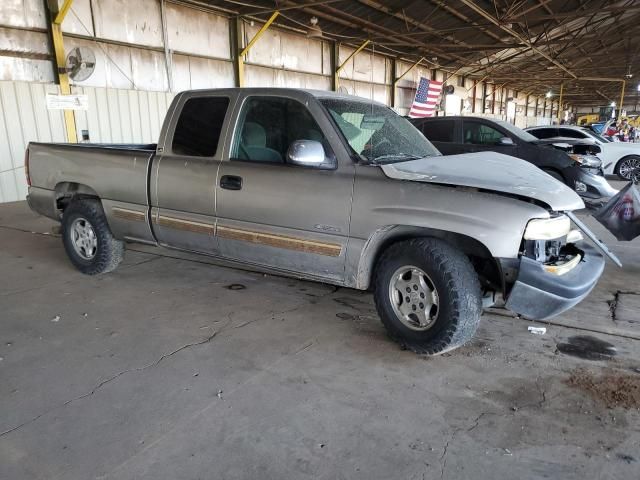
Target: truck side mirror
[(505, 142), (308, 153)]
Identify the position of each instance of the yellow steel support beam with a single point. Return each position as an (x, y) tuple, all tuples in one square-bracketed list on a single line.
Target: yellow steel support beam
[(63, 77), (624, 84), (336, 74), (408, 70), (256, 37), (62, 12), (395, 81)]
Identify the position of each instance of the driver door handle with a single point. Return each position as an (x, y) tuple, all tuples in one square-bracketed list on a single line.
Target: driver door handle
[(231, 182)]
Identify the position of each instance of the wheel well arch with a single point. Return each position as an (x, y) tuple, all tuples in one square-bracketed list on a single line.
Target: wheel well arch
[(486, 266), (620, 160), (65, 192)]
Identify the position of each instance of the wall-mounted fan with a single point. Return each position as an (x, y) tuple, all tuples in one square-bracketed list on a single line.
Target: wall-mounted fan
[(80, 64)]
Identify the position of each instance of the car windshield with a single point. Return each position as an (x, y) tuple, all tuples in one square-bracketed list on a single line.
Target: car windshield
[(515, 131), (376, 133), (595, 135)]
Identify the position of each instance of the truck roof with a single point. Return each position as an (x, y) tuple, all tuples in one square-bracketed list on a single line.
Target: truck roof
[(272, 90)]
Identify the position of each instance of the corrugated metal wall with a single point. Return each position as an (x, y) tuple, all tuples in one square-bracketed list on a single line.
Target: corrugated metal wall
[(23, 118), (122, 116)]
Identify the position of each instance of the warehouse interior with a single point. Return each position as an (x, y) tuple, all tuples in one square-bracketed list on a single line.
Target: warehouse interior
[(532, 56), (180, 366)]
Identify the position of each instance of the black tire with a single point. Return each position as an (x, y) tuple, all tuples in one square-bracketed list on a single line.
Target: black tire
[(107, 253), (458, 291), (628, 160), (557, 175)]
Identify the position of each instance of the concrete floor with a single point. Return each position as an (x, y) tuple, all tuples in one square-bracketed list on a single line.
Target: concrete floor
[(160, 371)]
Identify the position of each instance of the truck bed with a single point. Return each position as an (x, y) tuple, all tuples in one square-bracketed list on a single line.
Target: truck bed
[(111, 171)]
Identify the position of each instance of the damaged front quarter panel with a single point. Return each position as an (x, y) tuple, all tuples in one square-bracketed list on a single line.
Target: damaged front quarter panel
[(488, 171)]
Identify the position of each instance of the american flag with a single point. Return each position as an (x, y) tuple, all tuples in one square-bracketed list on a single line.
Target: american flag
[(424, 105)]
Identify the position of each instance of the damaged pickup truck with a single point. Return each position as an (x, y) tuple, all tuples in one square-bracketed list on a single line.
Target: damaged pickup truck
[(331, 188)]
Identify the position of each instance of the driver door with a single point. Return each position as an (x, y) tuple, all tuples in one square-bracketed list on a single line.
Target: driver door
[(272, 213)]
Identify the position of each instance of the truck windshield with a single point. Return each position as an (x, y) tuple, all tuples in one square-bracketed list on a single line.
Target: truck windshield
[(376, 133)]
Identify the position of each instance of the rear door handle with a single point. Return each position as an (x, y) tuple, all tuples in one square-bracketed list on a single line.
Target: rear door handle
[(231, 182)]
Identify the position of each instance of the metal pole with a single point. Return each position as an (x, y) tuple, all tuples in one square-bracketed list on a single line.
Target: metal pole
[(484, 97), (473, 95), (560, 101)]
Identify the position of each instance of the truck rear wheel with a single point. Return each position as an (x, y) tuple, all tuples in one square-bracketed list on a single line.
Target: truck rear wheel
[(428, 295), (88, 240)]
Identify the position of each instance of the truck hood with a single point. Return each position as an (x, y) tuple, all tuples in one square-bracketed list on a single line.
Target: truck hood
[(489, 171)]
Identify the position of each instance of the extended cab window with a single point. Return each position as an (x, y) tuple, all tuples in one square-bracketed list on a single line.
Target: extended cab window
[(480, 134), (269, 125), (439, 130), (198, 129)]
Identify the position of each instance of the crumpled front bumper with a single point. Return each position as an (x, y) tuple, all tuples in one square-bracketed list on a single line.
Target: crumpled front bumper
[(590, 184), (538, 294)]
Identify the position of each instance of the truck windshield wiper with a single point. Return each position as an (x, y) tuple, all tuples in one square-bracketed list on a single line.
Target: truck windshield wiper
[(388, 158)]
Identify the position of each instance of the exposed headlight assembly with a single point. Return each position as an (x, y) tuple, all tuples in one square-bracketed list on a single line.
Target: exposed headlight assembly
[(586, 160), (547, 228)]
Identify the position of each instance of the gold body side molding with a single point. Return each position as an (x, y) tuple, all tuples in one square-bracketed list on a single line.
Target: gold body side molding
[(281, 241), (126, 214), (185, 225), (261, 238)]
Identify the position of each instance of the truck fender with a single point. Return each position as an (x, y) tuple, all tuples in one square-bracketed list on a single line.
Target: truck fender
[(487, 267)]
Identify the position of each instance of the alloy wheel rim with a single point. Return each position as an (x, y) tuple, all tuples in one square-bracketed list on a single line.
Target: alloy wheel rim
[(83, 238), (414, 298), (628, 167)]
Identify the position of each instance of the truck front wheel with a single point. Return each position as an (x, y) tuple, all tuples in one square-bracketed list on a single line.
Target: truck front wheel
[(87, 238), (428, 295)]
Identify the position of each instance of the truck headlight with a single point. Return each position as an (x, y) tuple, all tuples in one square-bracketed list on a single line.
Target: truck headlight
[(547, 228)]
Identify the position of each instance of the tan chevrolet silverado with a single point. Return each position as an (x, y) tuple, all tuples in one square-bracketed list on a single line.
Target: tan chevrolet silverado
[(330, 188)]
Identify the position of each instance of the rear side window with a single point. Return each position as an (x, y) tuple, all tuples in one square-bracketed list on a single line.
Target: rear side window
[(544, 132), (439, 131), (198, 129), (568, 132)]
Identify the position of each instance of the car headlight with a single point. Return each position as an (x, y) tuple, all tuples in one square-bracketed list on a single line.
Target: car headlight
[(547, 228), (586, 160)]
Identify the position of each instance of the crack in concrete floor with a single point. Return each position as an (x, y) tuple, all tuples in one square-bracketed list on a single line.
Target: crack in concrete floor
[(167, 355)]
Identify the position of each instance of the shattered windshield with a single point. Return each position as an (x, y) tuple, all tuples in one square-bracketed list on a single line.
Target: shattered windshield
[(376, 133)]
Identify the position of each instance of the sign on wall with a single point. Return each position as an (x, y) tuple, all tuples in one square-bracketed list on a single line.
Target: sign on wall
[(67, 102)]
